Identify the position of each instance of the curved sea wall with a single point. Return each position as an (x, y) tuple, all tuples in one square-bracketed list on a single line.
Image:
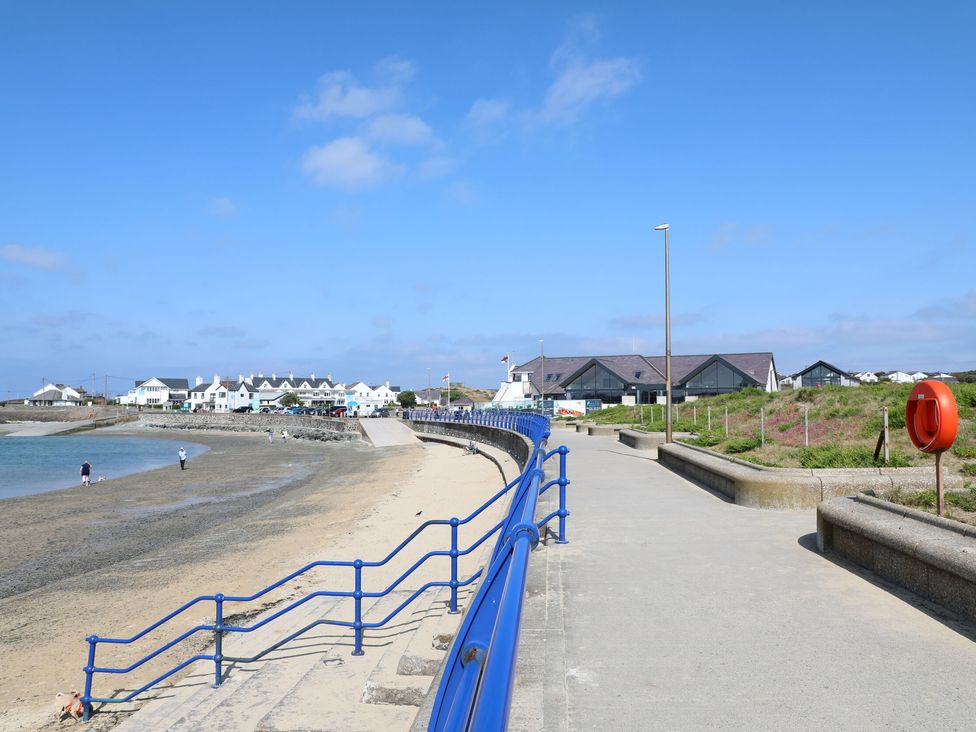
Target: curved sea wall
[(306, 427), (519, 447), (760, 487)]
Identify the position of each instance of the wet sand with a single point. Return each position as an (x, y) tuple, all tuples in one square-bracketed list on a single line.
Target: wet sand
[(113, 558)]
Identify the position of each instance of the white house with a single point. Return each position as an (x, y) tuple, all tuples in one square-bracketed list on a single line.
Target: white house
[(867, 377), (157, 392), (362, 399), (54, 395), (900, 377), (822, 374), (919, 376), (310, 390), (223, 396)]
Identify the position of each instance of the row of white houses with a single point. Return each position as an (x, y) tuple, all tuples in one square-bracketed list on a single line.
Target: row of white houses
[(259, 391)]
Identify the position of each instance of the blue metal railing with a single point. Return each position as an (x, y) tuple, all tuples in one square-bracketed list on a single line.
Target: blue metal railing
[(532, 426), (475, 692)]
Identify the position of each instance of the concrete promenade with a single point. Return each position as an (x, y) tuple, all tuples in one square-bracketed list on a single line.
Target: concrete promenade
[(672, 609)]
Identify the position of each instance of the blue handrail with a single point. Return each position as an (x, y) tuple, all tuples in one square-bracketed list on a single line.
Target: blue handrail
[(532, 426), (475, 692)]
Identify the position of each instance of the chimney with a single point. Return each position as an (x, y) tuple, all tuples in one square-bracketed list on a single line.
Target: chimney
[(240, 378), (313, 376), (260, 374), (199, 381), (329, 376), (274, 375), (387, 383), (291, 375), (216, 378)]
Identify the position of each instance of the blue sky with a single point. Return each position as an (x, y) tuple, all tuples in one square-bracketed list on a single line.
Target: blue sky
[(372, 191)]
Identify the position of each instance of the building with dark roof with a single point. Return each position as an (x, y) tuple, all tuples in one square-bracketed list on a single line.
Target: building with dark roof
[(613, 379), (822, 374)]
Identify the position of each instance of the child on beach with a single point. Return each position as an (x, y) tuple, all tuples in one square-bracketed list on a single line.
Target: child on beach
[(86, 473), (284, 435)]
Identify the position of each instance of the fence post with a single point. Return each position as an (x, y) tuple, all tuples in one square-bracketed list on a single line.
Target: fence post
[(726, 423), (358, 597), (887, 435), (762, 427), (89, 672), (806, 426), (218, 639), (454, 564), (563, 513), (709, 419), (694, 414)]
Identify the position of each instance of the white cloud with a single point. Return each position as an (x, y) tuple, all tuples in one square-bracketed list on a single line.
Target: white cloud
[(348, 163), (729, 233), (339, 95), (222, 206), (585, 83), (400, 129), (958, 308), (36, 257), (487, 114), (436, 167)]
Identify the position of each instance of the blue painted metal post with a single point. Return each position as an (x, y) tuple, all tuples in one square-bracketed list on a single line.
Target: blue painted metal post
[(563, 482), (89, 670), (358, 597), (454, 566), (218, 639)]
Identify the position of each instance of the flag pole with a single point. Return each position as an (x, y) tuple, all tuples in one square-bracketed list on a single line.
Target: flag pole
[(448, 392)]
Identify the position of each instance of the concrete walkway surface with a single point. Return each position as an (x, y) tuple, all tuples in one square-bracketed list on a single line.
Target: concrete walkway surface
[(387, 432), (672, 609)]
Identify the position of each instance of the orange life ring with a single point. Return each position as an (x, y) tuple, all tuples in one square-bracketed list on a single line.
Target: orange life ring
[(931, 416)]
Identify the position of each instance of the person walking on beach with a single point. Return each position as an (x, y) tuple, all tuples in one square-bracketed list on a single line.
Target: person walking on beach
[(182, 459), (86, 474), (284, 435), (270, 434)]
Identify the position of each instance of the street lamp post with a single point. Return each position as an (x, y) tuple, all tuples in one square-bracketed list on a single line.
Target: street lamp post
[(542, 355), (667, 332)]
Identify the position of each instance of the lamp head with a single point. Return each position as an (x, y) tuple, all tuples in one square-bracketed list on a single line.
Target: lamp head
[(662, 227)]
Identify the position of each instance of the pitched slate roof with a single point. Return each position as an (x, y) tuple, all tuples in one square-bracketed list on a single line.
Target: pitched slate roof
[(171, 383), (652, 368), (830, 366)]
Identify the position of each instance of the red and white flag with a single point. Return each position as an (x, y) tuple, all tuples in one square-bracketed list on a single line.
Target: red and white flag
[(446, 377), (505, 358)]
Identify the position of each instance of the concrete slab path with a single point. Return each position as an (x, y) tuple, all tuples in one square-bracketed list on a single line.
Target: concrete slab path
[(671, 609), (386, 432), (43, 429)]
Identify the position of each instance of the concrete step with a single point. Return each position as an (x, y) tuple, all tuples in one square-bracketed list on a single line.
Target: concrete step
[(427, 648), (329, 695), (248, 689)]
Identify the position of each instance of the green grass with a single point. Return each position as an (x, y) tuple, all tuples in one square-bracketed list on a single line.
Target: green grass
[(835, 456), (968, 469), (964, 452)]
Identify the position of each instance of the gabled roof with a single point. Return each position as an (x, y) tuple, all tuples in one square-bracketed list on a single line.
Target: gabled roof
[(753, 366), (171, 383), (52, 395), (719, 359), (829, 366)]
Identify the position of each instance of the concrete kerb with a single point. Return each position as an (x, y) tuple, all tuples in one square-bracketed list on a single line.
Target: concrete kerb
[(929, 555), (757, 486)]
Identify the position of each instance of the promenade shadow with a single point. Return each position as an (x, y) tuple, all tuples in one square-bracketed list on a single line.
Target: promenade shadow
[(937, 612), (708, 489)]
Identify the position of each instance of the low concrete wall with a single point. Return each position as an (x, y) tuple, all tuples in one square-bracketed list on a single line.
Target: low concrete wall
[(931, 556), (760, 487), (604, 430), (298, 425), (511, 442), (646, 440)]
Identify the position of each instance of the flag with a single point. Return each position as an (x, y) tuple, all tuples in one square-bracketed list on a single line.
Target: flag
[(505, 358), (446, 378)]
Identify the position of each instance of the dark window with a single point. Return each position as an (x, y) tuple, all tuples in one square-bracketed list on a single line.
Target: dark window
[(637, 374), (595, 378), (714, 378), (821, 376)]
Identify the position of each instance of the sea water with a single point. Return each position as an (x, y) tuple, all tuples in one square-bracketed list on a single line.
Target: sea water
[(37, 464)]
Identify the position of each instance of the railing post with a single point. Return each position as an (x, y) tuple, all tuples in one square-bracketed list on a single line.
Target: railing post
[(454, 566), (563, 482), (218, 639), (358, 597), (89, 672)]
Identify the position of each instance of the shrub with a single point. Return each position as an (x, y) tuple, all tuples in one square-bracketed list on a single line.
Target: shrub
[(965, 394), (835, 456), (964, 451), (741, 444), (966, 501), (968, 469), (705, 439)]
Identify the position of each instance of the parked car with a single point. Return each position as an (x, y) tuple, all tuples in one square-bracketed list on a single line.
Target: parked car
[(243, 410), (337, 411), (382, 412)]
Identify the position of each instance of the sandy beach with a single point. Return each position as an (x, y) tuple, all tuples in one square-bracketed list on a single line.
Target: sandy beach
[(114, 558)]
